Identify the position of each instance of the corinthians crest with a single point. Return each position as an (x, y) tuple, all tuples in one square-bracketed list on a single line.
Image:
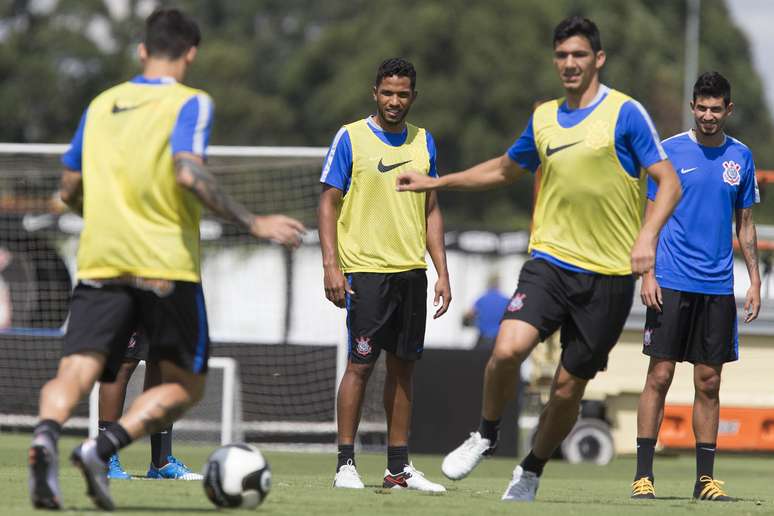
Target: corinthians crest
[(363, 346), (517, 302), (731, 172)]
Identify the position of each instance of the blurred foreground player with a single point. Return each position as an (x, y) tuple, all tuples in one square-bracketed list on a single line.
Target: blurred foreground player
[(586, 242), (135, 170), (691, 313)]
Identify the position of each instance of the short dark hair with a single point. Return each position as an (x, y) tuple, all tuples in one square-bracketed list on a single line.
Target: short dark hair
[(712, 84), (170, 33), (578, 26), (396, 66)]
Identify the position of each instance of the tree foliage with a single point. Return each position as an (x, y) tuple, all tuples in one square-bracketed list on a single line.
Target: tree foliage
[(291, 72)]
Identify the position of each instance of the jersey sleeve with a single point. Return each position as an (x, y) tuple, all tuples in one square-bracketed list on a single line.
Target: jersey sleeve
[(73, 158), (191, 132), (748, 194), (636, 132), (524, 150), (431, 150), (337, 168)]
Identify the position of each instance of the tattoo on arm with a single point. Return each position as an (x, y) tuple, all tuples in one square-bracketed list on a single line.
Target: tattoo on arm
[(204, 185), (748, 239)]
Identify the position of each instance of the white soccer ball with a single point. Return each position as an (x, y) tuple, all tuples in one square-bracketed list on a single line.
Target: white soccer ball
[(237, 475)]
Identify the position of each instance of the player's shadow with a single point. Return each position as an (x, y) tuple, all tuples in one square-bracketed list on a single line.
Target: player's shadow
[(176, 509)]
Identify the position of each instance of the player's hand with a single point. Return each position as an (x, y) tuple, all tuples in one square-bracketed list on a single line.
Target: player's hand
[(752, 303), (414, 182), (650, 292), (279, 229), (644, 253), (336, 286), (442, 296)]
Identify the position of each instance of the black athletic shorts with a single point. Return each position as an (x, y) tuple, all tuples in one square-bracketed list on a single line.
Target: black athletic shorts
[(138, 347), (591, 310), (103, 319), (698, 328), (387, 311)]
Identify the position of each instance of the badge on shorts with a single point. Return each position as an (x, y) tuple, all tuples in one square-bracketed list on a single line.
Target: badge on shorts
[(132, 341), (363, 346), (646, 338), (517, 303), (731, 172)]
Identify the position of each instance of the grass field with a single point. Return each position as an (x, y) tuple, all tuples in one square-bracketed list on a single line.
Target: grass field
[(302, 485)]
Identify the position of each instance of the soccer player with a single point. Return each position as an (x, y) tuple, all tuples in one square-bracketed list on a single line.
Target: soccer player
[(691, 312), (378, 238), (112, 396), (590, 145), (135, 169)]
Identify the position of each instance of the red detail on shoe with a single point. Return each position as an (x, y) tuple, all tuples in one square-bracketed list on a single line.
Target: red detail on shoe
[(396, 480)]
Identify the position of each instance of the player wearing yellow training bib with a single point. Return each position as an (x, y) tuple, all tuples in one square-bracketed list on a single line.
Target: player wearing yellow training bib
[(378, 238), (135, 171), (585, 244)]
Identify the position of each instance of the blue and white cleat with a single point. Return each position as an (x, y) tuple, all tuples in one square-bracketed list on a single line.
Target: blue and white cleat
[(173, 470), (115, 470)]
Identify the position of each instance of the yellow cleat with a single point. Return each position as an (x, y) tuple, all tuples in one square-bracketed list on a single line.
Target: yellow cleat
[(707, 488), (643, 489)]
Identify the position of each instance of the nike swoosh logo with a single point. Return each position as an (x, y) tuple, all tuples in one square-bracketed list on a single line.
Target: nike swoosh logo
[(120, 109), (550, 151), (381, 167), (686, 170)]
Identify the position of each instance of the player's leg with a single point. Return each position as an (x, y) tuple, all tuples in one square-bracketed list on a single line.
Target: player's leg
[(598, 306), (665, 341), (650, 413), (111, 405), (535, 311), (408, 324), (349, 403), (99, 327), (713, 343)]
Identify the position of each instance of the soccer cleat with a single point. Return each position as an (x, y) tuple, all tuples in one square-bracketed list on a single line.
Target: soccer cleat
[(116, 470), (173, 470), (44, 473), (347, 477), (707, 488), (462, 460), (95, 472), (522, 487), (411, 478), (643, 489)]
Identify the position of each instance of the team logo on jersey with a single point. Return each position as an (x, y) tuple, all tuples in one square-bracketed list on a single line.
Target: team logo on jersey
[(731, 172), (363, 346), (598, 135), (517, 302), (647, 337), (384, 168)]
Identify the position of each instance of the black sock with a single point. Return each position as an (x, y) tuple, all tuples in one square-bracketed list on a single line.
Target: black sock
[(346, 454), (646, 448), (533, 463), (161, 447), (50, 427), (489, 430), (112, 440), (705, 459), (397, 458)]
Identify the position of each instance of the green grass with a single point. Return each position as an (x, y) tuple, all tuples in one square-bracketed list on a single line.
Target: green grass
[(302, 485)]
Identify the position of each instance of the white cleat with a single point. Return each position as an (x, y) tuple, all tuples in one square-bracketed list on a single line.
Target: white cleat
[(523, 486), (411, 478), (347, 477), (462, 460)]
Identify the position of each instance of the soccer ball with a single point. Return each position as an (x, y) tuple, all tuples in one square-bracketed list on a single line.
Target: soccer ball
[(237, 475)]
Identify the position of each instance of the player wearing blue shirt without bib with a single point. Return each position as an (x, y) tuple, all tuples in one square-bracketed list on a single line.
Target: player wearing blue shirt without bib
[(586, 244), (691, 312)]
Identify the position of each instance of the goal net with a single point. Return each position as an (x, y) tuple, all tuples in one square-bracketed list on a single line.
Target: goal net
[(265, 305)]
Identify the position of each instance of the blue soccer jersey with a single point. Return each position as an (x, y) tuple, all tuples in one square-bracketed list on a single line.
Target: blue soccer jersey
[(695, 247)]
